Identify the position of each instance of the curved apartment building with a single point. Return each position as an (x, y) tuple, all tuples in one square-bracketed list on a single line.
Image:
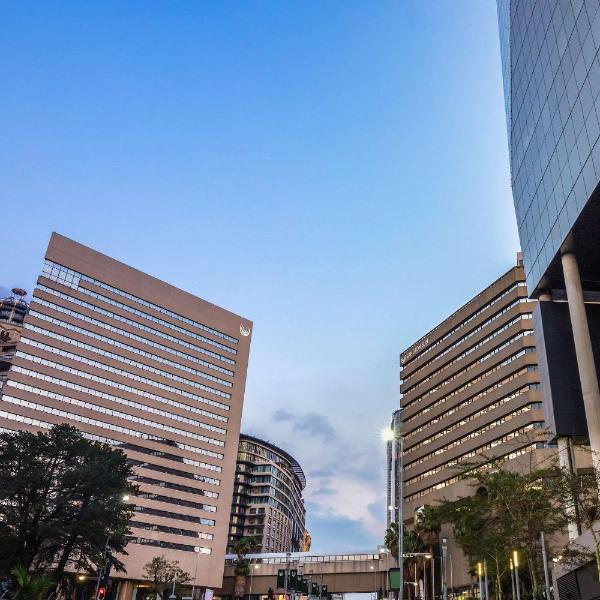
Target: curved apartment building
[(267, 498)]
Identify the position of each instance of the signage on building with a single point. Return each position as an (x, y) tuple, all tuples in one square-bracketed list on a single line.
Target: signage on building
[(414, 349)]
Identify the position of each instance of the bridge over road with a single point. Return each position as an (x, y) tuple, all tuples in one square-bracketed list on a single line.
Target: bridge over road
[(340, 572)]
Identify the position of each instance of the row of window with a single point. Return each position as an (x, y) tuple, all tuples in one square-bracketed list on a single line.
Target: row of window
[(124, 373), (99, 438), (173, 486), (473, 453), (472, 434), (175, 472), (474, 364), (463, 323), (147, 510), (178, 501), (111, 397), (122, 415), (152, 318), (133, 336), (136, 324), (466, 386), (467, 336), (163, 544), (471, 349), (172, 531), (456, 425), (63, 275), (128, 347), (455, 478), (103, 424)]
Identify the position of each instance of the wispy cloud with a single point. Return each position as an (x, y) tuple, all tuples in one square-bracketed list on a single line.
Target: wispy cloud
[(313, 424)]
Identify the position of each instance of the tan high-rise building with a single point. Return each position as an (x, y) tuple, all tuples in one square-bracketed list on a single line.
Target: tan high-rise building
[(470, 391), (150, 369)]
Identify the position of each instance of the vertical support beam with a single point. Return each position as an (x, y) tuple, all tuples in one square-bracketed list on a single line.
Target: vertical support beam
[(583, 352)]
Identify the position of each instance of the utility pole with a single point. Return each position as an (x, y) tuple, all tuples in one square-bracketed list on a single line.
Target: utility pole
[(479, 574), (545, 558)]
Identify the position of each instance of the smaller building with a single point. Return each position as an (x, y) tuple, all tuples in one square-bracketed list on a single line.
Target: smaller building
[(392, 471), (12, 312), (267, 498)]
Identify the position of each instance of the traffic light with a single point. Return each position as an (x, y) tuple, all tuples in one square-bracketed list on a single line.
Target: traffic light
[(280, 579), (101, 593)]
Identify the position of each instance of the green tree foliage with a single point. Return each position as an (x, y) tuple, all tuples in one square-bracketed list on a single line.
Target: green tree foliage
[(578, 493), (508, 510), (30, 587), (162, 573), (61, 496)]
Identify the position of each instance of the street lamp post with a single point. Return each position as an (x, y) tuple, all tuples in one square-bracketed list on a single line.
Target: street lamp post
[(288, 557), (545, 559), (512, 578), (400, 453), (486, 579), (251, 574), (197, 551), (516, 565), (173, 596), (445, 568), (479, 574)]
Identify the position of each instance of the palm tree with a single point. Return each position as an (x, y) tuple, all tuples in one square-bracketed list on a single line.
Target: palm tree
[(30, 587), (413, 566), (242, 564)]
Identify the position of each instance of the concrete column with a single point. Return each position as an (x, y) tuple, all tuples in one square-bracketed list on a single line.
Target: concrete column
[(565, 461), (583, 351)]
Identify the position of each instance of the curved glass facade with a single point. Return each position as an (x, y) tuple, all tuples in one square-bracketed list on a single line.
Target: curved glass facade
[(551, 71), (267, 498)]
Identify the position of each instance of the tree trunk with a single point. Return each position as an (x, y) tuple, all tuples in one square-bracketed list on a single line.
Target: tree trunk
[(239, 586)]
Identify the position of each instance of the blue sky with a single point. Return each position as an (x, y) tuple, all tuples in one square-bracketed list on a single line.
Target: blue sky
[(335, 171)]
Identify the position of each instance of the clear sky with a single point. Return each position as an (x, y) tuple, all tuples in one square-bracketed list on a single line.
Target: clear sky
[(335, 171)]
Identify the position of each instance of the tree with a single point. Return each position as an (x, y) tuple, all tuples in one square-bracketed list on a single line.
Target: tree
[(414, 566), (30, 587), (61, 497), (578, 493), (162, 573), (508, 511), (242, 565)]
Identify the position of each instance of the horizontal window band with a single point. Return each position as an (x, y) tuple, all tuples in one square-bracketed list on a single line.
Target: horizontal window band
[(112, 398), (59, 273)]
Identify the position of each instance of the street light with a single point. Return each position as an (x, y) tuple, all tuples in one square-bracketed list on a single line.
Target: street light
[(254, 567), (516, 564), (479, 574)]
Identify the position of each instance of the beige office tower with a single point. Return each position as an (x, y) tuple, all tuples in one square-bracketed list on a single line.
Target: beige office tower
[(150, 369), (470, 391)]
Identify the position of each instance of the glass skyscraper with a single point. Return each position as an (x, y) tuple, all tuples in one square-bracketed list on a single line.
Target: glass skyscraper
[(551, 71)]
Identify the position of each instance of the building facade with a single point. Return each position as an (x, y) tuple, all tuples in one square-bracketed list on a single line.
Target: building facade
[(470, 392), (13, 310), (551, 73), (392, 474), (267, 498), (148, 368)]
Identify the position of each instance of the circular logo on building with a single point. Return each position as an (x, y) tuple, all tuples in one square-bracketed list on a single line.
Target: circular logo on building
[(245, 332)]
